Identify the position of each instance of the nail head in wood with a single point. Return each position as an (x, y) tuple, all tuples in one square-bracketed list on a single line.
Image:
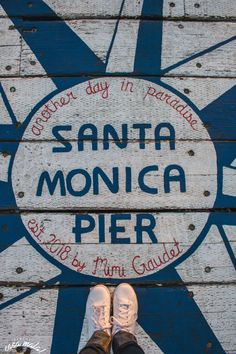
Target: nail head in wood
[(208, 269), (4, 227), (191, 227), (19, 270), (209, 345), (191, 153)]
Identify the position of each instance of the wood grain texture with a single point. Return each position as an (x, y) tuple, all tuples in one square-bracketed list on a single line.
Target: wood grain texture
[(199, 176), (206, 9), (197, 64), (194, 37), (36, 314), (24, 93)]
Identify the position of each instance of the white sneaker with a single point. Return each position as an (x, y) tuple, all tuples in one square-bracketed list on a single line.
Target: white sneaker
[(125, 309), (98, 310)]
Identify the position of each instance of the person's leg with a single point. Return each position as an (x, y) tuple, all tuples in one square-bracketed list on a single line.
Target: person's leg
[(98, 316), (125, 313), (99, 343), (125, 343)]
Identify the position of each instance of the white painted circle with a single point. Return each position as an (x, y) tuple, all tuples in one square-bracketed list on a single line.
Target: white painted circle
[(123, 102)]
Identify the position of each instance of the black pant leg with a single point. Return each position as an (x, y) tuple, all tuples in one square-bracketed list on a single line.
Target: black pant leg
[(99, 343), (125, 343), (91, 350)]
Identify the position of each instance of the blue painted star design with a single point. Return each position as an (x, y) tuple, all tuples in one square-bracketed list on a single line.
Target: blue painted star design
[(62, 63)]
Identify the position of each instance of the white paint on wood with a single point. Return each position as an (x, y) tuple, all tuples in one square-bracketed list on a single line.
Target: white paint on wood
[(38, 157), (168, 225), (225, 9), (229, 181), (207, 9), (233, 164), (29, 64), (129, 101), (4, 166), (96, 34), (28, 92), (202, 91), (4, 115), (31, 319), (22, 254), (69, 9), (182, 40), (145, 342), (10, 60), (116, 104), (217, 303), (218, 306), (211, 253), (224, 56), (231, 235), (123, 51), (9, 36)]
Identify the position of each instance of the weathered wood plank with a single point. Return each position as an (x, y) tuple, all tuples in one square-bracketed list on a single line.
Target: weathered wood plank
[(218, 307), (199, 174), (210, 262), (194, 37), (69, 9), (225, 10), (36, 314), (24, 93), (208, 259), (29, 320), (203, 91)]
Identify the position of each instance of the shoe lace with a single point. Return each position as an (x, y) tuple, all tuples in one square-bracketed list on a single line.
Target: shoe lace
[(125, 320), (100, 318)]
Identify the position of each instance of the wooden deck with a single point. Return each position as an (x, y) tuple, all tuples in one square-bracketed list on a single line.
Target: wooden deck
[(118, 164)]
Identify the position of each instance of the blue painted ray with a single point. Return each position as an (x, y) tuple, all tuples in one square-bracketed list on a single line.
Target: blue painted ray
[(32, 291), (173, 320), (77, 57), (7, 104), (50, 40), (7, 131), (149, 42), (197, 55), (69, 318), (11, 226), (221, 124)]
